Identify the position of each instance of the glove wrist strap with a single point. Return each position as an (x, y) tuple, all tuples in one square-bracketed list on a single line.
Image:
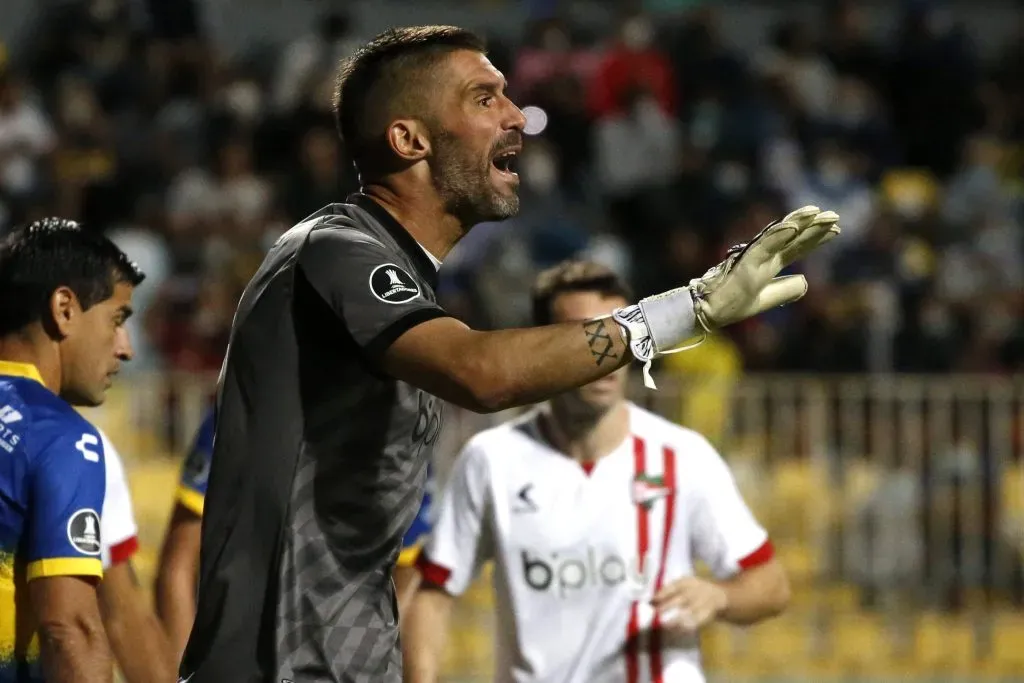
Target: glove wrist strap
[(657, 325)]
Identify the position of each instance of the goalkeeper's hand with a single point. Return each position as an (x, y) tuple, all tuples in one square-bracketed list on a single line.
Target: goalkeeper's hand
[(746, 282)]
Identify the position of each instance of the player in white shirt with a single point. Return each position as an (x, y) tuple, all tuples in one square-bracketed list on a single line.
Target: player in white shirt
[(137, 639), (595, 513)]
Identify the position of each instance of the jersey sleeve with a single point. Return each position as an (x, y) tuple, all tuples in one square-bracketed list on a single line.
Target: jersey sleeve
[(376, 298), (727, 536), (414, 538), (459, 543), (68, 484), (117, 520), (195, 471)]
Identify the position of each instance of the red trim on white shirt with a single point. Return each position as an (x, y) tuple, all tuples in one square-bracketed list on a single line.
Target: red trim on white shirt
[(760, 556), (588, 467), (669, 480), (431, 572), (633, 629), (123, 551)]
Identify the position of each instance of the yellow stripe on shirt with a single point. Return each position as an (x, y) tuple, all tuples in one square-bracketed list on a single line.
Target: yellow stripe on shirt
[(26, 370), (65, 566), (407, 557), (192, 500)]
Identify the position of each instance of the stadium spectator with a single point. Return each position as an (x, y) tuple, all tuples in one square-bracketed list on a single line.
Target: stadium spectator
[(166, 117)]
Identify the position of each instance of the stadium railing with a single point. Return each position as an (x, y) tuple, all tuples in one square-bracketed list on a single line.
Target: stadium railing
[(895, 502)]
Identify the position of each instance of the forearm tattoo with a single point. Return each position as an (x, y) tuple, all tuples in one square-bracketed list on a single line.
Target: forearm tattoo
[(599, 341)]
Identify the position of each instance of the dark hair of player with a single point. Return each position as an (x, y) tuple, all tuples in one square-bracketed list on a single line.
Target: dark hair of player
[(390, 77), (574, 276), (52, 253)]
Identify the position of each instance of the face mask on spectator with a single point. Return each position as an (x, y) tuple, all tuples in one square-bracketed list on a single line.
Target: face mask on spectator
[(637, 34)]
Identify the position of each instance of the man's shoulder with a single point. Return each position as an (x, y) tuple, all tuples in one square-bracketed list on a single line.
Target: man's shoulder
[(39, 415), (338, 225), (111, 457)]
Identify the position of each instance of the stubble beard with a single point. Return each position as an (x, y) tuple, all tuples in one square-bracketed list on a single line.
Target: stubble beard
[(464, 186)]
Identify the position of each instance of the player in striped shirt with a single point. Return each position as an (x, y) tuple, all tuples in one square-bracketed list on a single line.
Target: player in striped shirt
[(65, 294), (595, 513)]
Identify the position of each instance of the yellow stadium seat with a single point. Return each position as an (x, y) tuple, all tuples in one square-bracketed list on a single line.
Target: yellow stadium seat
[(861, 480), (726, 653), (706, 376), (805, 597), (944, 643), (480, 593), (1012, 489), (470, 648), (841, 598), (780, 645), (145, 561), (153, 488), (800, 499), (714, 645), (1007, 654), (859, 642), (1012, 505), (800, 561)]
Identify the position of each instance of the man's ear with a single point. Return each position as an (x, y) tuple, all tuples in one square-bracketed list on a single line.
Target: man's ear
[(409, 140), (65, 310)]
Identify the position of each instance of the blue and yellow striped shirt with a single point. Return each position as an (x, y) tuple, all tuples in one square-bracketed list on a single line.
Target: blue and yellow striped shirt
[(52, 484)]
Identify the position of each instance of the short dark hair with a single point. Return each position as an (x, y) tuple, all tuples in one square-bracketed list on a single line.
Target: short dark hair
[(388, 77), (51, 253), (574, 276)]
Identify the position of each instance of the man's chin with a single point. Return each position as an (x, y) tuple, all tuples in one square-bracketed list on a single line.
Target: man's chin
[(85, 400), (589, 402), (503, 207)]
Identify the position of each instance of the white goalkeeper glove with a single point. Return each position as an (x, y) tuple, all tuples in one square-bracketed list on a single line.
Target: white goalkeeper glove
[(741, 286)]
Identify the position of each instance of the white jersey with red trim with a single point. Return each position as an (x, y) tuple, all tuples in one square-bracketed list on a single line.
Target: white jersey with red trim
[(578, 555), (118, 530)]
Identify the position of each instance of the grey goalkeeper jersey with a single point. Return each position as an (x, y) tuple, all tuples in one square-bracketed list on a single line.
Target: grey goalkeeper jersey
[(319, 460)]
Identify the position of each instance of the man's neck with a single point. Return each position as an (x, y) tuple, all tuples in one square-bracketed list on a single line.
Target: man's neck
[(587, 441), (422, 215), (21, 348)]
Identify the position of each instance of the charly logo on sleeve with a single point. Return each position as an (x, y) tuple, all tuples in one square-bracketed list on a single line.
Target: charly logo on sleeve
[(392, 285), (84, 532)]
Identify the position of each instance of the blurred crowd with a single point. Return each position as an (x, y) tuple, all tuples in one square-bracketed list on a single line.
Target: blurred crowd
[(653, 147)]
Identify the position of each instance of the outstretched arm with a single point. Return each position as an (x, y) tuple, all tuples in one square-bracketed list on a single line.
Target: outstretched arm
[(400, 329), (490, 371)]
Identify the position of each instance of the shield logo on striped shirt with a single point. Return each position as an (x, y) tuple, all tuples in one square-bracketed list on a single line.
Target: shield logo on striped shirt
[(647, 489)]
